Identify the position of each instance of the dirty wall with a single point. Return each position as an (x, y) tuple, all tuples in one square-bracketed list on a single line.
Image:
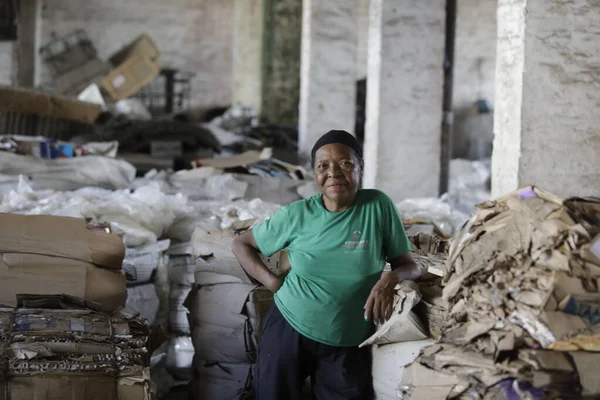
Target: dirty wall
[(193, 36)]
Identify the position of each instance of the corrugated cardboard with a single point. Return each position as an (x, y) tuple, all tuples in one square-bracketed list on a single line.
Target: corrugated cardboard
[(72, 353), (61, 237), (40, 274), (29, 102), (130, 76), (142, 45), (93, 387)]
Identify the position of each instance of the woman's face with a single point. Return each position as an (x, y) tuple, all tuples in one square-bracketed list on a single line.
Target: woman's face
[(337, 172)]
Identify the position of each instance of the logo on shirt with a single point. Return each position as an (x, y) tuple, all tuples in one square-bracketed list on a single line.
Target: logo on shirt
[(356, 242)]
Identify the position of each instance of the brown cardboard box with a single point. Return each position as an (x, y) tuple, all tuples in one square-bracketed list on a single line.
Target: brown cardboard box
[(134, 65), (130, 76), (29, 102), (61, 237), (76, 80), (142, 45), (40, 274)]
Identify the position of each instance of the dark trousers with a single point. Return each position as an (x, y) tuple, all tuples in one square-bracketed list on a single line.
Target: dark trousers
[(286, 358)]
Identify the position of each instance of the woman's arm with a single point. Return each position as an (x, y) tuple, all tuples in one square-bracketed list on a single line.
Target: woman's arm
[(380, 303), (246, 251)]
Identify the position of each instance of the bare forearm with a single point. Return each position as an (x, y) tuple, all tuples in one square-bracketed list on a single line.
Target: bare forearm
[(251, 263)]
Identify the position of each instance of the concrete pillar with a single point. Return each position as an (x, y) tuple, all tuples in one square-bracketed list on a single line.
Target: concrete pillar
[(546, 122), (281, 61), (26, 49), (328, 69), (248, 53), (404, 97)]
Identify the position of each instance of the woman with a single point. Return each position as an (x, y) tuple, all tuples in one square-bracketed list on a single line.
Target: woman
[(338, 242)]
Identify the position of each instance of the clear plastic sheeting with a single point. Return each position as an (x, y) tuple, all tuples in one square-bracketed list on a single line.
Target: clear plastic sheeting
[(437, 211), (133, 108), (469, 184), (142, 216), (218, 187), (244, 210), (65, 173)]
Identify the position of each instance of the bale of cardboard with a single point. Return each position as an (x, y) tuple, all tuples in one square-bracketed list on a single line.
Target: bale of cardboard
[(522, 285), (44, 254), (63, 347), (227, 310)]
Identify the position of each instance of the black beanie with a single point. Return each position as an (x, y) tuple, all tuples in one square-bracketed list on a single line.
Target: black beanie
[(337, 136)]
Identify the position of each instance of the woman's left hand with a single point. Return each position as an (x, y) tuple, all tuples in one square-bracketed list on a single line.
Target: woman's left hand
[(380, 304)]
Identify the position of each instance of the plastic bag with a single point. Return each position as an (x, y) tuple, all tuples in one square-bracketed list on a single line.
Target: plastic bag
[(180, 353)]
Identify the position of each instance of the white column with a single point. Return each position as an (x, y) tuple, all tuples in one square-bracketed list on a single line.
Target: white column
[(404, 97), (248, 53), (547, 124), (327, 70)]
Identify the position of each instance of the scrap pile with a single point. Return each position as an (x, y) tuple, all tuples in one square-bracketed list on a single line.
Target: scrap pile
[(46, 254), (227, 311), (522, 283), (61, 347)]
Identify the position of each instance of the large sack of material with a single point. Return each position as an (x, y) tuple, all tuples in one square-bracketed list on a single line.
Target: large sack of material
[(68, 173), (389, 361), (212, 250), (220, 380), (226, 320)]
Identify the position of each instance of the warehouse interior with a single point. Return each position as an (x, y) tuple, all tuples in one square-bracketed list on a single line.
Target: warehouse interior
[(139, 139)]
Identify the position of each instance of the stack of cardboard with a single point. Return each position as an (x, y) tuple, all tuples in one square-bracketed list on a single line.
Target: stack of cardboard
[(522, 282), (59, 347), (226, 316), (33, 113), (43, 254)]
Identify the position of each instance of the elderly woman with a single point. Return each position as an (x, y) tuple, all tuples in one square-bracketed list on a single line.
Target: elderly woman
[(338, 242)]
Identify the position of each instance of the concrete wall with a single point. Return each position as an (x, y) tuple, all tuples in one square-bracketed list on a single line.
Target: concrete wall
[(6, 63), (195, 36), (362, 50), (548, 96), (247, 53)]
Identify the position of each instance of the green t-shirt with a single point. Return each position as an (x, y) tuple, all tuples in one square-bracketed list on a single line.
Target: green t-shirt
[(336, 259)]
